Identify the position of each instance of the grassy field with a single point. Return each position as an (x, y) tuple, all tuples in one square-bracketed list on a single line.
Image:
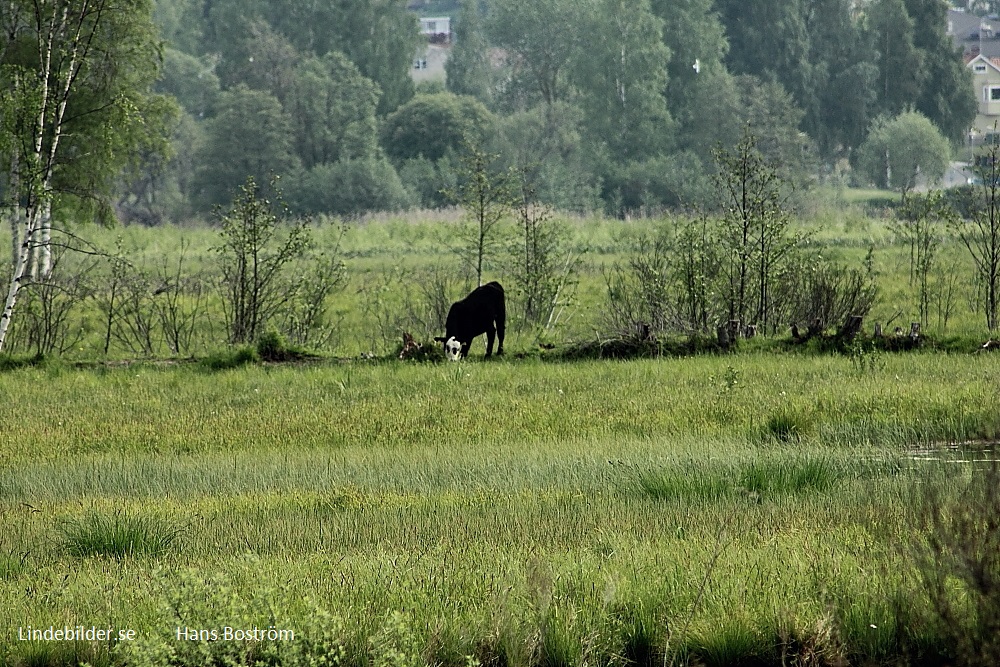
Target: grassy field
[(392, 262), (768, 506), (751, 509)]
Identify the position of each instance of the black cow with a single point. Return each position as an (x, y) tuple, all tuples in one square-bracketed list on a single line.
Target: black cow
[(482, 312)]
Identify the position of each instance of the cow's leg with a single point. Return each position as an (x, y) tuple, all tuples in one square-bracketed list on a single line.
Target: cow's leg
[(490, 334), (500, 331)]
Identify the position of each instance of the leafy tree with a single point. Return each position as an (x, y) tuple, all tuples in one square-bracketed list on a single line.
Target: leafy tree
[(695, 37), (843, 78), (946, 97), (349, 187), (189, 80), (180, 23), (544, 145), (429, 181), (700, 132), (468, 68), (900, 150), (257, 249), (542, 38), (770, 40), (544, 267), (755, 234), (250, 136), (258, 57), (332, 109), (378, 36), (771, 115), (432, 125), (487, 195), (622, 78), (75, 77), (902, 66), (922, 223)]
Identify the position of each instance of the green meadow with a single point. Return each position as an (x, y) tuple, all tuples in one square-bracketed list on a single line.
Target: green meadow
[(768, 506)]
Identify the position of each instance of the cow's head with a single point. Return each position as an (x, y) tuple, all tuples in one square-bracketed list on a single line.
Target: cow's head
[(454, 349)]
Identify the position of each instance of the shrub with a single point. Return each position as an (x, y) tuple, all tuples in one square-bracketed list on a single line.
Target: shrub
[(349, 187)]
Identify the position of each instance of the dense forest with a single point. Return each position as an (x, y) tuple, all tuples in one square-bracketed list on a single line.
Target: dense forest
[(602, 105)]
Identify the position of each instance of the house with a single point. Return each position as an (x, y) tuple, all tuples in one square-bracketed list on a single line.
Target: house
[(436, 29), (986, 82), (975, 35)]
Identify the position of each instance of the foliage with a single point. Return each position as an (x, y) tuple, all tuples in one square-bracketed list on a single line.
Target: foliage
[(543, 38), (959, 564), (75, 78), (249, 138), (923, 221), (468, 68), (545, 145), (901, 150), (258, 248), (332, 109), (434, 125), (820, 293), (486, 196), (621, 78), (348, 188), (755, 235), (981, 234), (544, 268)]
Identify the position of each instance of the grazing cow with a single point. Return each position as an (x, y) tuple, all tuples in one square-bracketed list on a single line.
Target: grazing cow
[(482, 312)]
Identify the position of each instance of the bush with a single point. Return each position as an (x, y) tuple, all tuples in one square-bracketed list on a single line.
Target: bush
[(349, 187)]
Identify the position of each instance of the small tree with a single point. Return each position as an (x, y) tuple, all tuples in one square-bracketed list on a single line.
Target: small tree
[(487, 196), (922, 222), (754, 230), (258, 246), (544, 268), (696, 266), (981, 234)]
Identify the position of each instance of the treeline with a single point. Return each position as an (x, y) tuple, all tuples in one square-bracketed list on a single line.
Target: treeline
[(611, 105)]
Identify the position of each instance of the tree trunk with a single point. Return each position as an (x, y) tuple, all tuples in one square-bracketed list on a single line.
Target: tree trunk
[(43, 254), (17, 278)]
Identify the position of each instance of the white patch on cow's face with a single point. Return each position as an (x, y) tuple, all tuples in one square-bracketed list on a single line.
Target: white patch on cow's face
[(453, 349)]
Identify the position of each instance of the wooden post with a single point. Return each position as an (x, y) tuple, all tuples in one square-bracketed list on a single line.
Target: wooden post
[(723, 335), (878, 329), (734, 330)]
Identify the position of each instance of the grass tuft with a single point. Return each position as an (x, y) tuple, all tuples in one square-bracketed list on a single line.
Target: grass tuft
[(220, 361), (117, 535)]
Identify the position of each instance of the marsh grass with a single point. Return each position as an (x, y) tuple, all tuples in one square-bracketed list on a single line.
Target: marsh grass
[(518, 513), (117, 535)]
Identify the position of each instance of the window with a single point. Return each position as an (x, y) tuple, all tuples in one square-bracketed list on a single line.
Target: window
[(432, 26), (994, 93), (979, 68)]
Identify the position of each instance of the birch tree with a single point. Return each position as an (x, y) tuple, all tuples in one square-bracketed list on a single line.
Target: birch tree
[(75, 74)]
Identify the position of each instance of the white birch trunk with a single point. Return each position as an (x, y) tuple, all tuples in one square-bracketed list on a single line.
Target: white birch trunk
[(43, 256), (54, 97), (15, 215), (16, 279)]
